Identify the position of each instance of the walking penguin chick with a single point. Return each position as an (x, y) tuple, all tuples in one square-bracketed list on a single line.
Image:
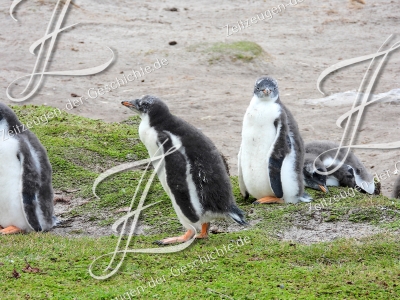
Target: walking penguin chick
[(194, 177)]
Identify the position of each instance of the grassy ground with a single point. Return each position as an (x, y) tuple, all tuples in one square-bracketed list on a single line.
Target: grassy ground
[(259, 264)]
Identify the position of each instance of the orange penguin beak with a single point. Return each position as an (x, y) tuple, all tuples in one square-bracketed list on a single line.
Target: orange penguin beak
[(127, 104), (323, 188)]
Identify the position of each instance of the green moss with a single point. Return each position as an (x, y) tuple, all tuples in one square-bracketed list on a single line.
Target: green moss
[(245, 51)]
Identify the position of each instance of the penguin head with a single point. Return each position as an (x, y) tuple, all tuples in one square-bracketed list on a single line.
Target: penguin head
[(147, 105), (266, 88), (8, 119), (313, 179)]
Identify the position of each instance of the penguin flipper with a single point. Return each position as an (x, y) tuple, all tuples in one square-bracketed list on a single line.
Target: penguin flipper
[(275, 166), (367, 186), (242, 186), (30, 203), (281, 148), (175, 170), (30, 187)]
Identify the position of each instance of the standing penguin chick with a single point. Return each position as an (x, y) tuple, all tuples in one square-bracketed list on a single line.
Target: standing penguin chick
[(194, 176), (26, 193), (272, 152), (350, 174)]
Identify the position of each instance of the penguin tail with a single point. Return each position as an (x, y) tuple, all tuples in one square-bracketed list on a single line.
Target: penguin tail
[(237, 215)]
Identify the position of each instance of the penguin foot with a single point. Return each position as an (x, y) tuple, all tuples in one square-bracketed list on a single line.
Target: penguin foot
[(269, 199), (176, 239), (11, 230), (204, 231)]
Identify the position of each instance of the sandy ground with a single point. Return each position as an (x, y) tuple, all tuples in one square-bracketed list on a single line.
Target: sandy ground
[(301, 42)]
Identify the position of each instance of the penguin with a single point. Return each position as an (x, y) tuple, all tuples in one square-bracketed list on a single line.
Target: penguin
[(351, 174), (311, 178), (396, 190), (26, 194), (271, 154), (194, 176)]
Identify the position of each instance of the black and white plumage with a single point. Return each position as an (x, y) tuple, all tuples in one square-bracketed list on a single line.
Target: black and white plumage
[(272, 152), (195, 176), (26, 194), (351, 174)]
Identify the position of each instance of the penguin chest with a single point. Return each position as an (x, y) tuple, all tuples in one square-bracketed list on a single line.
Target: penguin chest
[(258, 138), (148, 135), (11, 210)]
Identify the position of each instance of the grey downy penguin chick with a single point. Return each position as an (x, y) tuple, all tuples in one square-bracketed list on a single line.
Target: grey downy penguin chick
[(351, 174), (271, 154), (194, 177)]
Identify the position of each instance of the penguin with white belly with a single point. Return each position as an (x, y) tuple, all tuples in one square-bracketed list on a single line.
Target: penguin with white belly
[(271, 154), (26, 193), (194, 176)]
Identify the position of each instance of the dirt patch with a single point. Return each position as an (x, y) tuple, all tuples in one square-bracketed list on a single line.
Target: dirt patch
[(80, 226), (83, 225), (312, 228), (75, 225), (316, 232)]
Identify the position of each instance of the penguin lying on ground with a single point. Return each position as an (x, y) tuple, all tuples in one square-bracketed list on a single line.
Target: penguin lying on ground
[(272, 152), (194, 177), (26, 193), (350, 174)]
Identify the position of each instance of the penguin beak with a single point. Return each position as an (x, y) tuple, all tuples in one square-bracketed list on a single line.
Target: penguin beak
[(130, 105), (127, 104), (266, 92), (323, 188)]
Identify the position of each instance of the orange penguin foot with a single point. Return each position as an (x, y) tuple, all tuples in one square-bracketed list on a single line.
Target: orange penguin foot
[(204, 231), (177, 239), (11, 230), (269, 199)]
